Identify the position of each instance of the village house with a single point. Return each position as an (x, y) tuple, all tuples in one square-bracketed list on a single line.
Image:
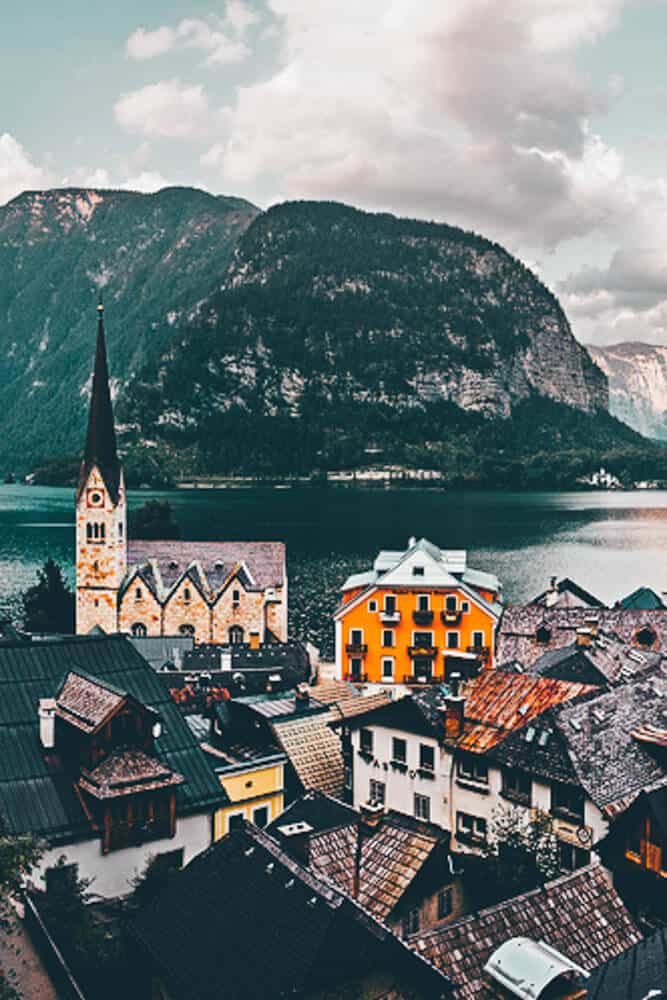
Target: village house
[(398, 868), (96, 760), (541, 945), (416, 617), (431, 754), (230, 592), (246, 920)]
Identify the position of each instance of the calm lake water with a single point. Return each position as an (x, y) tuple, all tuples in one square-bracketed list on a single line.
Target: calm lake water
[(609, 542)]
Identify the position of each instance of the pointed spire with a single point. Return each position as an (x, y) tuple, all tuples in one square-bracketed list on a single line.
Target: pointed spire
[(101, 437)]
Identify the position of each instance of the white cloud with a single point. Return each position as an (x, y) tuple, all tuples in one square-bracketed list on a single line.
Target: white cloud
[(168, 109), (221, 38), (17, 171), (147, 182)]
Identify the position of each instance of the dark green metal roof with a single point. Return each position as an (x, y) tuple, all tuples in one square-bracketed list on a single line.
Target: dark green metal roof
[(34, 797), (642, 599)]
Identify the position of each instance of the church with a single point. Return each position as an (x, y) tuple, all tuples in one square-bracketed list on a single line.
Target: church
[(217, 592)]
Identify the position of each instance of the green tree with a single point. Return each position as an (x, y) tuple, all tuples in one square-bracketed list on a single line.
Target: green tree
[(155, 520), (18, 856), (521, 853), (48, 606)]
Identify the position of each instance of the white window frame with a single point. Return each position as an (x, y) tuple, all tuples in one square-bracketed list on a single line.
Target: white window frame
[(384, 604), (470, 777), (451, 597), (388, 659), (392, 635), (372, 605), (428, 602), (458, 639), (480, 632), (352, 641), (266, 806), (472, 830), (423, 631), (418, 797), (230, 817), (374, 783), (465, 607)]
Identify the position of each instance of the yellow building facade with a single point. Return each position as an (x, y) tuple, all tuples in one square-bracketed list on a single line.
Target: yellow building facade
[(255, 790)]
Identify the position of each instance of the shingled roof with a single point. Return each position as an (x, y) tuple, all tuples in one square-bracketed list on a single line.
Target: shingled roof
[(580, 915), (639, 973), (246, 920), (85, 702), (313, 750), (35, 797), (603, 659), (611, 765), (125, 772), (496, 704)]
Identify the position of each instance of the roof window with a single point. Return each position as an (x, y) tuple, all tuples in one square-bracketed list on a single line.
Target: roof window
[(417, 570)]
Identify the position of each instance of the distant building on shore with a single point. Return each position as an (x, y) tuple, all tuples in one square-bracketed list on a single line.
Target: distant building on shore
[(219, 592)]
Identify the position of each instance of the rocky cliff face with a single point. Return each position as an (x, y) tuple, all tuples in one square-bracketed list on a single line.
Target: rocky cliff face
[(637, 376), (324, 301), (154, 256)]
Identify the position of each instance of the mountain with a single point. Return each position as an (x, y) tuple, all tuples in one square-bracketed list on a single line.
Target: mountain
[(637, 376), (334, 331), (156, 256)]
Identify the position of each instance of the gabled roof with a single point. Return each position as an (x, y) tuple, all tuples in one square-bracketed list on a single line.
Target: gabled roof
[(87, 703), (642, 599), (611, 765), (313, 749), (210, 565), (570, 594), (606, 660), (639, 973), (34, 796), (345, 700), (580, 915), (245, 920), (100, 450), (496, 704), (125, 772), (538, 749)]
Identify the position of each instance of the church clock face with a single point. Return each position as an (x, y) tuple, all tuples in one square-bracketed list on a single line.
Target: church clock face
[(94, 498)]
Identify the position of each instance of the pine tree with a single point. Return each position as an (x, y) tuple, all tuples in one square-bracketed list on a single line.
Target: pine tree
[(48, 606)]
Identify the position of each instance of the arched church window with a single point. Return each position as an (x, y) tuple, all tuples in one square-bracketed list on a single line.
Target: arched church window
[(120, 529), (103, 531), (139, 630), (96, 531), (235, 635), (186, 630)]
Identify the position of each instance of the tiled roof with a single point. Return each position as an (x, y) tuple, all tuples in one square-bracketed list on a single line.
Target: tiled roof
[(643, 599), (85, 702), (637, 974), (36, 798), (580, 915), (126, 771), (210, 564), (496, 704), (605, 660), (246, 921), (516, 633), (314, 751), (346, 700), (391, 858), (610, 764), (538, 749), (570, 594)]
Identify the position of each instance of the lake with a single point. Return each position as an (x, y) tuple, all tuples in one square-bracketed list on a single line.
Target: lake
[(609, 542)]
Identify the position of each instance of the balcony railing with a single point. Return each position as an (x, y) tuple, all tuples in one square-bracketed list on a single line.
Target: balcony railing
[(450, 617), (356, 648), (427, 651), (482, 651), (422, 617), (356, 678), (421, 679), (390, 617)]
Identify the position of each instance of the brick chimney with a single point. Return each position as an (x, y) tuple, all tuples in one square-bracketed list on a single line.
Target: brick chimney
[(295, 838), (47, 723), (454, 709), (302, 696), (552, 592)]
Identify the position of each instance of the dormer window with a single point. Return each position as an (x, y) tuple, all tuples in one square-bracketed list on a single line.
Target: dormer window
[(417, 570), (138, 594), (173, 564), (543, 635)]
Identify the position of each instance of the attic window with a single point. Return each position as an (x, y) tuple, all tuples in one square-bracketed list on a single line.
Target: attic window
[(187, 594), (646, 637), (218, 564), (137, 594), (417, 570), (530, 734), (236, 596)]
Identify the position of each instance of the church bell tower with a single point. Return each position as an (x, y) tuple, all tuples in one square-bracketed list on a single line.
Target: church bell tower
[(101, 542)]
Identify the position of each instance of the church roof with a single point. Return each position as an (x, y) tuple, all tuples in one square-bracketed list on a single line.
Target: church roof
[(100, 448)]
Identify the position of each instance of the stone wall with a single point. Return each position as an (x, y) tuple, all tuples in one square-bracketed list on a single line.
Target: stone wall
[(101, 561)]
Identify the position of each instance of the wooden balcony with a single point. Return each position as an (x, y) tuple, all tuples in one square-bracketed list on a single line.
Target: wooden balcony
[(428, 652), (450, 617), (356, 648), (422, 617), (482, 651)]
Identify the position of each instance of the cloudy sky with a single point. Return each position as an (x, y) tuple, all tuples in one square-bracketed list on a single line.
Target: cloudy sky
[(539, 123)]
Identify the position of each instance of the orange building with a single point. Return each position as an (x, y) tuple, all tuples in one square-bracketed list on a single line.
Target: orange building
[(416, 617)]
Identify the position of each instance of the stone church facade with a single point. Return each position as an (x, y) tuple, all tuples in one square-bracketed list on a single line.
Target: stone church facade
[(220, 592)]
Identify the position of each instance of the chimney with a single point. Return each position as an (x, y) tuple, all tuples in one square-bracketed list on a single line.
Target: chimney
[(302, 696), (47, 722), (552, 592), (254, 640), (295, 838), (455, 704), (584, 638)]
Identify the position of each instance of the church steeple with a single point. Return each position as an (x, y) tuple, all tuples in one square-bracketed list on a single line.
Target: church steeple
[(100, 448)]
